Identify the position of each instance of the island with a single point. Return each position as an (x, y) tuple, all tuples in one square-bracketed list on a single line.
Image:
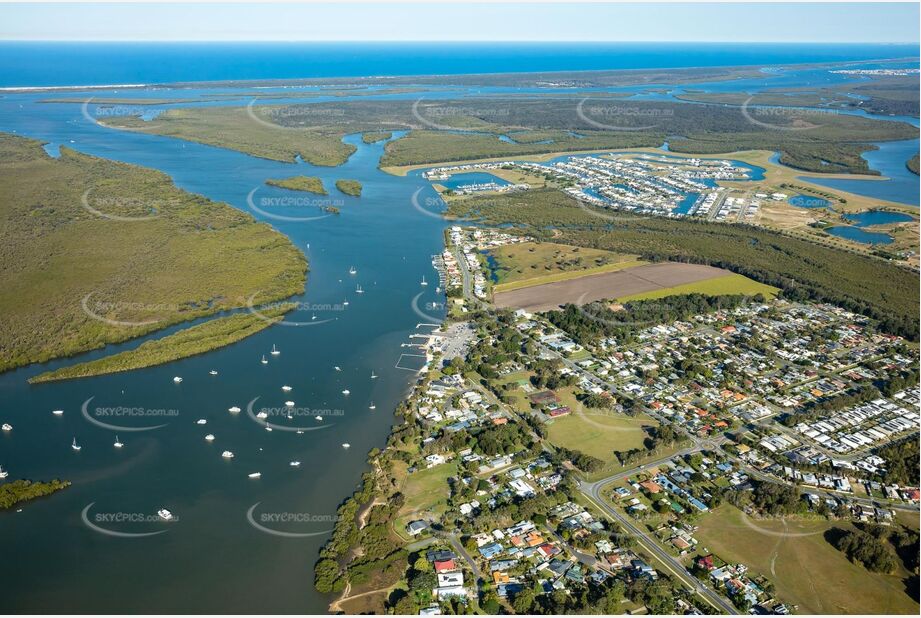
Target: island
[(349, 187), (187, 342), (15, 492), (372, 137), (310, 184), (91, 248)]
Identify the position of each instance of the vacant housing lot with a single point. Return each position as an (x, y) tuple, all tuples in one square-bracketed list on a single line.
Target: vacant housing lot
[(610, 285)]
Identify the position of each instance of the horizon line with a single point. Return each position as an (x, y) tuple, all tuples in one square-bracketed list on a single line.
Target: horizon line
[(442, 41)]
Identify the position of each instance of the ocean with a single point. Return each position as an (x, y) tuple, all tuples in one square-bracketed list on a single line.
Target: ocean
[(70, 64)]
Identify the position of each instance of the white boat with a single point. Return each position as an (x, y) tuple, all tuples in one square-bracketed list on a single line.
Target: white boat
[(201, 421), (165, 515), (373, 375), (300, 431), (424, 282), (319, 418), (4, 473), (438, 289), (346, 391), (213, 372), (290, 404), (345, 303), (286, 388), (337, 368), (233, 409), (118, 443), (227, 454), (264, 361), (346, 445), (358, 289), (262, 414), (6, 427), (352, 270), (372, 406), (75, 446), (177, 379), (267, 428), (294, 463), (254, 475), (313, 317), (275, 351), (58, 412), (210, 437)]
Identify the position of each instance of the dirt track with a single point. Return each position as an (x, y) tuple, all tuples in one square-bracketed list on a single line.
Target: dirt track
[(606, 285)]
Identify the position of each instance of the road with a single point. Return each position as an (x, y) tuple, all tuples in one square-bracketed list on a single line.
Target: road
[(593, 492)]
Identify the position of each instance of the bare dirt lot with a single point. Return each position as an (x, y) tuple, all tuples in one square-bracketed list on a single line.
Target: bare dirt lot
[(606, 285)]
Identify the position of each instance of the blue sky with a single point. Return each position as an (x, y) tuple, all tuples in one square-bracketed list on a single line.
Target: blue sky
[(445, 21)]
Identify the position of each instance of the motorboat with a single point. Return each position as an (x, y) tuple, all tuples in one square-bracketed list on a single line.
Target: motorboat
[(177, 379), (294, 463), (346, 391), (210, 437), (254, 475), (319, 418), (227, 454), (286, 388), (201, 421), (118, 443), (337, 368), (6, 427), (165, 515), (262, 414), (58, 412), (213, 372), (290, 404), (233, 409), (346, 445)]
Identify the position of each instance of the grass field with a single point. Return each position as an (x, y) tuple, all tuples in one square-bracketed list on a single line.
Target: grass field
[(729, 284), (806, 570), (426, 492), (598, 433), (533, 263), (94, 252)]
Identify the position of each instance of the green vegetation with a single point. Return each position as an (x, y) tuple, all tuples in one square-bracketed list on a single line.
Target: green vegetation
[(718, 286), (256, 131), (865, 549), (902, 461), (311, 184), (801, 269), (194, 340), (526, 264), (596, 321), (79, 272), (912, 164), (832, 143), (805, 568), (599, 434), (372, 137), (349, 187), (14, 492)]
